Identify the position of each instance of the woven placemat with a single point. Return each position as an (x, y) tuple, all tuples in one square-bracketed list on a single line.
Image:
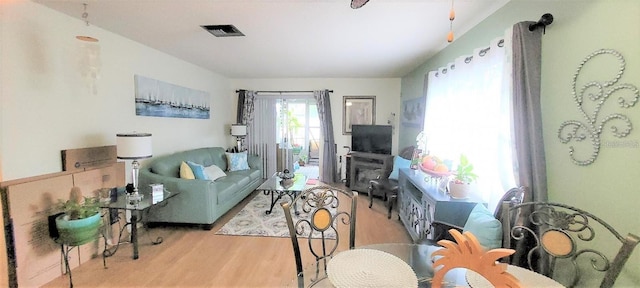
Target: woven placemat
[(370, 268)]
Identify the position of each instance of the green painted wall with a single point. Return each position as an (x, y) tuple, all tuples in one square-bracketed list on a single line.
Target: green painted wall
[(610, 186)]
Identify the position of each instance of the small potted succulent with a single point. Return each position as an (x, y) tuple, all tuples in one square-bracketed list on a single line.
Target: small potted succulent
[(460, 185), (302, 159), (80, 222)]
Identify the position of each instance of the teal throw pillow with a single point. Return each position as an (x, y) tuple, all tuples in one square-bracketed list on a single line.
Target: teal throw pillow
[(198, 170), (485, 227), (398, 162), (237, 161)]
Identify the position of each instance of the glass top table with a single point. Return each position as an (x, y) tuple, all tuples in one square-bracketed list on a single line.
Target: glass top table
[(418, 257), (123, 202), (277, 188), (136, 207)]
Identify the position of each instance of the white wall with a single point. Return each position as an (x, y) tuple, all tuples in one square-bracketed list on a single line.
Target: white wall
[(386, 90), (45, 106)]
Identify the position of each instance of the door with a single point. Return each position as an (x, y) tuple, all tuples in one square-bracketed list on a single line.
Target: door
[(299, 131)]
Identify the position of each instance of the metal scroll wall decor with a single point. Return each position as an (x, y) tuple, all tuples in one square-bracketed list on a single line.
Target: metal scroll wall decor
[(598, 92)]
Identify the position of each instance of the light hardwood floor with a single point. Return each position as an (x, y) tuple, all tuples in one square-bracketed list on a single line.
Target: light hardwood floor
[(191, 257)]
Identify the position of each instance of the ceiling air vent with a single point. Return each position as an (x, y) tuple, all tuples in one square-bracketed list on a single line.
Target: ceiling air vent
[(222, 30)]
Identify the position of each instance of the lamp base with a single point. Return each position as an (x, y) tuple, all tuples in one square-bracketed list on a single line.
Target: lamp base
[(239, 144), (134, 198)]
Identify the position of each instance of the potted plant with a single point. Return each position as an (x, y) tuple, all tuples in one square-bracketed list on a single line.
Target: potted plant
[(80, 222), (302, 159), (460, 186)]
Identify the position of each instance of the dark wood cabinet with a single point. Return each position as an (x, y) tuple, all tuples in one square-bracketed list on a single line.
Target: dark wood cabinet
[(363, 167)]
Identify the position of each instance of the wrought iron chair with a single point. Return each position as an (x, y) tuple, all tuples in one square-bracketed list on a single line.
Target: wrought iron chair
[(386, 186), (314, 216), (513, 197), (559, 241)]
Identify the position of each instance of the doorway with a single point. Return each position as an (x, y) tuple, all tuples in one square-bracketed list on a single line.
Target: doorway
[(299, 130)]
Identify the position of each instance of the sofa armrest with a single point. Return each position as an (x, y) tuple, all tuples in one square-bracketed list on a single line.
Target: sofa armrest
[(255, 161)]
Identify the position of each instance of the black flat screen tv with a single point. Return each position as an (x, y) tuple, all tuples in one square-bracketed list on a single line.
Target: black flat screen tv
[(371, 139)]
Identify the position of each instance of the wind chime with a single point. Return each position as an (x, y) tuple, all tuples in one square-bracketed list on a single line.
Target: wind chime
[(89, 56)]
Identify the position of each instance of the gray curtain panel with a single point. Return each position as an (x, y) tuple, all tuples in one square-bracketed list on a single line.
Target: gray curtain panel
[(529, 144), (246, 100), (240, 106), (329, 165), (249, 101), (531, 164)]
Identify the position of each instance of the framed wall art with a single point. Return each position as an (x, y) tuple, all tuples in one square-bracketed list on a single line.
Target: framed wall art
[(162, 99), (412, 114), (357, 110)]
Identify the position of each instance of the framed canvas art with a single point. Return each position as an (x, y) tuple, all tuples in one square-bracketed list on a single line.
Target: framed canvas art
[(357, 110), (412, 114), (162, 99)]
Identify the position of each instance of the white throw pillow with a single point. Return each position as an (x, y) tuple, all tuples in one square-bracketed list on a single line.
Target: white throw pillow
[(214, 172)]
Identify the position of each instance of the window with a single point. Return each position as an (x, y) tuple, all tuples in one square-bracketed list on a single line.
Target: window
[(468, 112)]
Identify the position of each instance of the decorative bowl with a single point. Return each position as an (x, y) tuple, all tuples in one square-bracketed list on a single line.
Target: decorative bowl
[(435, 173), (286, 183), (285, 174)]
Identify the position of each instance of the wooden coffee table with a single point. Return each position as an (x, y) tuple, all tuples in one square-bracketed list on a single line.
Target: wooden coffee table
[(273, 187)]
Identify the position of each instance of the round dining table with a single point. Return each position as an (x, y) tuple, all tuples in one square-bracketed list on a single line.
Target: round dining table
[(417, 257), (371, 268)]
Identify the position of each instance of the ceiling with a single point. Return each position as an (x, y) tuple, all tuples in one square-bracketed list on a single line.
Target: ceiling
[(289, 38)]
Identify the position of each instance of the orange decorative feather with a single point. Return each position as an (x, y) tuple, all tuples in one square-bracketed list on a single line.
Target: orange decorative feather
[(468, 253)]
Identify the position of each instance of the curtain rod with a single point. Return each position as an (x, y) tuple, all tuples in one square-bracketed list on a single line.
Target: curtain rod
[(310, 91), (545, 19)]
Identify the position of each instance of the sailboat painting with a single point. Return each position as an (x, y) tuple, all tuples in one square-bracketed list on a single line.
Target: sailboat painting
[(161, 99)]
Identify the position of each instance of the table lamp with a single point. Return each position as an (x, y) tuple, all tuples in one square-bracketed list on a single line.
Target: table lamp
[(239, 131), (134, 146)]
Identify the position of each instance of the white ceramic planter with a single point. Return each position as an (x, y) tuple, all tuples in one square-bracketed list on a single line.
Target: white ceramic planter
[(459, 190)]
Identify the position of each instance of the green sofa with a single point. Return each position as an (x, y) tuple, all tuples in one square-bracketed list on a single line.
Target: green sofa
[(199, 202)]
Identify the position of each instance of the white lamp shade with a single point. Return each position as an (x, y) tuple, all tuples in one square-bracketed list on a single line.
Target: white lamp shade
[(133, 146), (238, 130)]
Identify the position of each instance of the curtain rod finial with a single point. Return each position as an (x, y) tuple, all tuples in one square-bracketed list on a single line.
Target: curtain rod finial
[(545, 19)]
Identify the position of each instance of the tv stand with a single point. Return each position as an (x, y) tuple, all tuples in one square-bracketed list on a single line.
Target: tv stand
[(362, 168)]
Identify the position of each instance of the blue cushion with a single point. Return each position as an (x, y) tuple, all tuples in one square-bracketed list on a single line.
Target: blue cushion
[(237, 161), (398, 162), (198, 170), (485, 227)]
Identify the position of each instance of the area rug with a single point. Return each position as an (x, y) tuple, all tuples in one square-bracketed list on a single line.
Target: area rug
[(253, 221)]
